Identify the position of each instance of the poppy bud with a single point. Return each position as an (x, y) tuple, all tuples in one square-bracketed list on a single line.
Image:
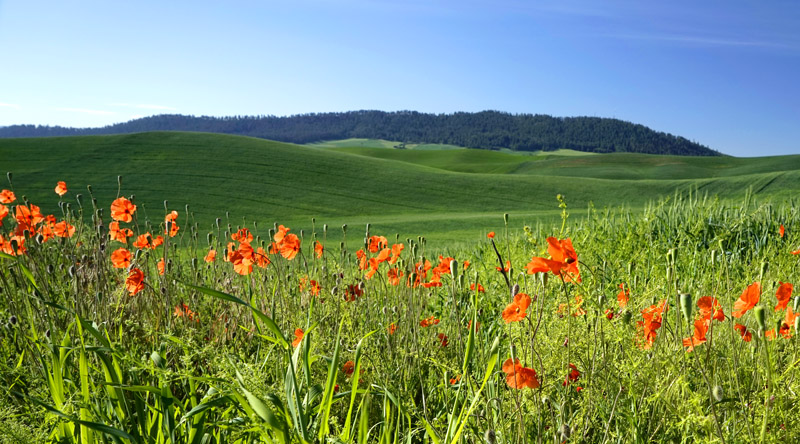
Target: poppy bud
[(79, 198), (334, 290), (194, 262), (543, 279), (71, 271), (797, 324), (490, 437), (670, 274), (39, 238), (713, 257), (760, 317), (461, 279), (565, 431), (763, 271), (718, 393), (51, 269), (344, 228), (12, 320), (47, 333), (630, 267), (778, 325), (672, 255), (505, 218), (796, 303), (8, 175), (218, 221), (601, 300), (119, 181), (454, 268), (686, 306), (367, 231), (325, 228), (514, 290)]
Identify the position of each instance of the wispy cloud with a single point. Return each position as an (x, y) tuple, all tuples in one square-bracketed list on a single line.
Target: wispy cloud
[(94, 112), (145, 106), (9, 105), (701, 41)]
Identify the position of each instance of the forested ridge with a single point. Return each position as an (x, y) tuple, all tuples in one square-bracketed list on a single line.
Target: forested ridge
[(485, 130)]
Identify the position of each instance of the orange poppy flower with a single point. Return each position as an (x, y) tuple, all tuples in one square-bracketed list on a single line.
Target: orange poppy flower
[(348, 368), (280, 234), (787, 323), (442, 339), (290, 246), (63, 229), (490, 235), (28, 218), (352, 292), (144, 241), (244, 235), (318, 249), (260, 258), (122, 210), (7, 196), (298, 337), (466, 264), (506, 269), (61, 188), (121, 258), (573, 375), (747, 300), (454, 381), (135, 281), (392, 328), (781, 230), (710, 308), (376, 243), (519, 377), (158, 240), (623, 296), (373, 268), (784, 295), (8, 247), (383, 256), (796, 252), (649, 325), (161, 266), (394, 275), (564, 262), (480, 288), (3, 213), (241, 265), (515, 311), (746, 335), (119, 234), (246, 250), (428, 322), (699, 337), (396, 250), (211, 256)]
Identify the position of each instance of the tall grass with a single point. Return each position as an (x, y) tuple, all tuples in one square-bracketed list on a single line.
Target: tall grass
[(205, 355)]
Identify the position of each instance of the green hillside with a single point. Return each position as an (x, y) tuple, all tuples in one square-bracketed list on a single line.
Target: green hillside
[(410, 192)]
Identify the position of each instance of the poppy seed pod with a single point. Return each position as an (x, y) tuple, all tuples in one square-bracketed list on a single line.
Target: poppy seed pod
[(760, 317), (686, 306), (718, 393)]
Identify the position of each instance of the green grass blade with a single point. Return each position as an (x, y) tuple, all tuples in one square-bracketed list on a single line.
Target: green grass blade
[(330, 383)]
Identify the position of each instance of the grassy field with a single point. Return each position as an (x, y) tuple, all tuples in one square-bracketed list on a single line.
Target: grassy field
[(449, 195)]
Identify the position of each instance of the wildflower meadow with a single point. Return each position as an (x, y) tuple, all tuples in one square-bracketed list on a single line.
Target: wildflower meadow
[(675, 323)]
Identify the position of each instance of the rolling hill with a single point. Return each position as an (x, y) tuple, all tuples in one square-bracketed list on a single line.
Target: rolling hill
[(445, 195), (491, 130)]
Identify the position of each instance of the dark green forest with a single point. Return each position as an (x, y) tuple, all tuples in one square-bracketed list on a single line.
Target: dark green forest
[(486, 130)]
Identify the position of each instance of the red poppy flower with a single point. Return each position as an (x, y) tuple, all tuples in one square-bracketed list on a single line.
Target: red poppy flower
[(710, 308), (27, 218), (318, 249), (480, 288), (746, 335), (699, 337), (394, 275), (515, 311), (573, 375), (623, 296), (290, 246), (298, 337), (563, 262), (454, 381), (428, 322), (7, 196), (211, 256), (781, 230), (506, 269), (519, 377), (787, 323), (144, 241), (63, 229), (392, 328), (796, 252), (61, 188), (490, 235), (260, 258), (119, 234), (466, 264), (135, 281), (396, 250), (376, 243), (747, 300), (442, 339), (121, 258), (161, 266), (609, 314), (348, 368), (122, 210), (784, 295), (649, 325)]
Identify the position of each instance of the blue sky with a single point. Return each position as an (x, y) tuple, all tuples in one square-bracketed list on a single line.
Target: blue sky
[(722, 73)]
